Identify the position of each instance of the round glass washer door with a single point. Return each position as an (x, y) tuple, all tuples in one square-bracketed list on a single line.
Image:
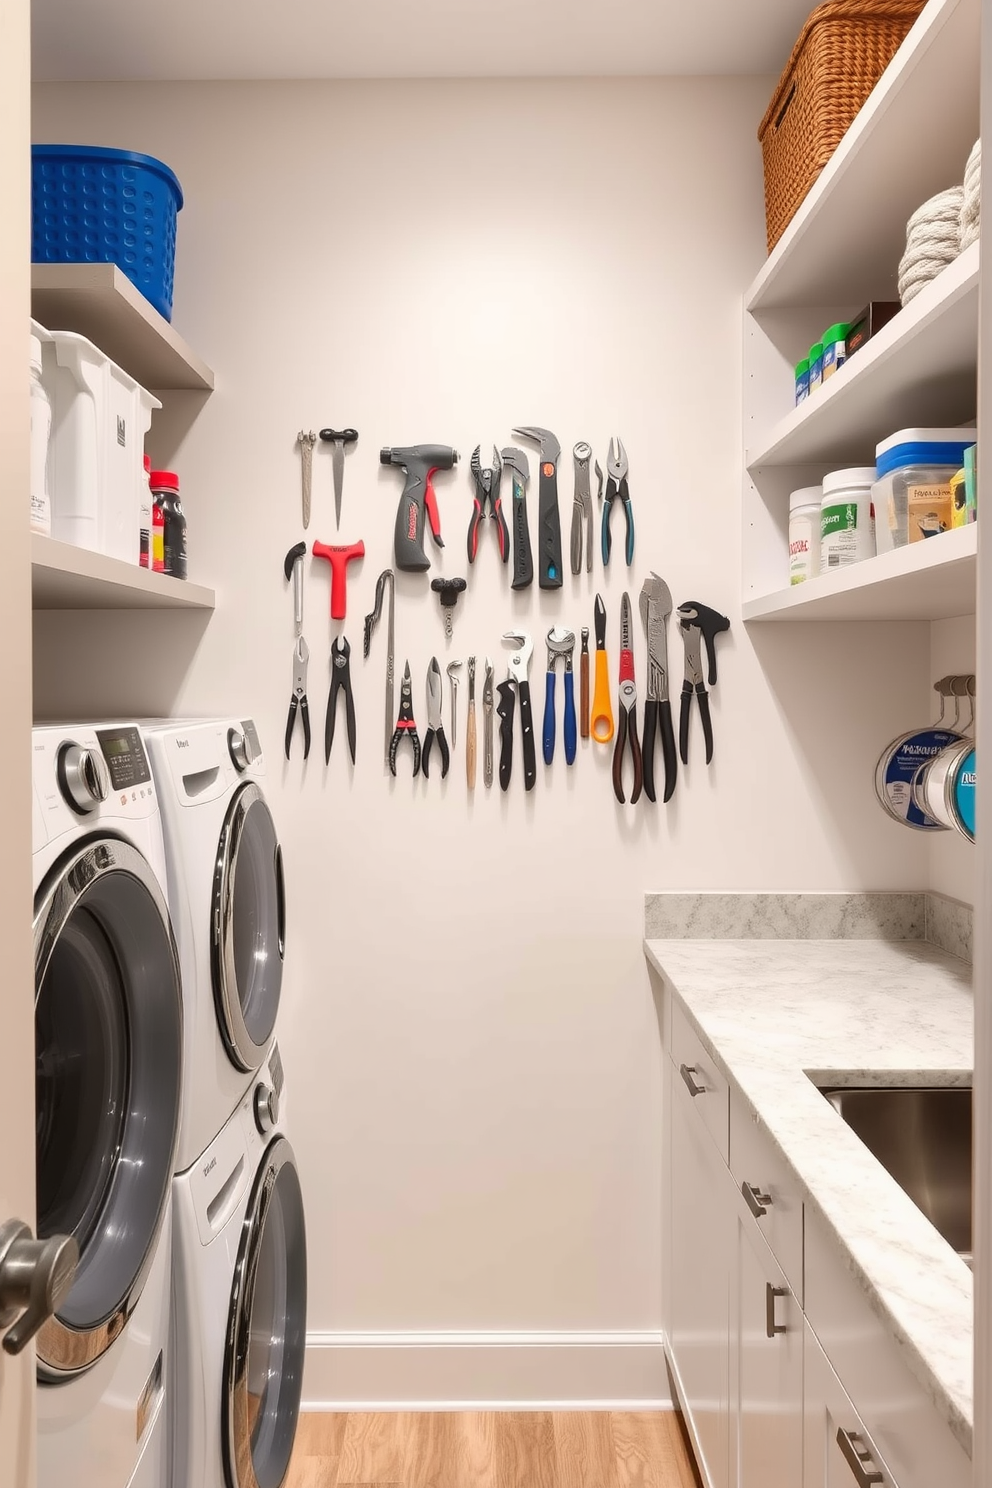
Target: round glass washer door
[(108, 1068)]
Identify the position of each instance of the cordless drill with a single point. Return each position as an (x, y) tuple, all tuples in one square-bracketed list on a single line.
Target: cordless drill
[(419, 462)]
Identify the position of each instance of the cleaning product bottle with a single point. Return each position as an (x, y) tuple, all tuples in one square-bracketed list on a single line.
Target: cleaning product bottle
[(158, 527), (41, 428), (165, 488)]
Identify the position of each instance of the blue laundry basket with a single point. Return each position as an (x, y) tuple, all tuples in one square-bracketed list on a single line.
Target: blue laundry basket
[(93, 205)]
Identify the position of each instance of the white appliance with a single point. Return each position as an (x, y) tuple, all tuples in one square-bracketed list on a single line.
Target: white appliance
[(108, 1035), (227, 898), (240, 1299)]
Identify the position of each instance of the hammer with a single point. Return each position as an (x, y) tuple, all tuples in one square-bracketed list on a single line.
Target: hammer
[(339, 558)]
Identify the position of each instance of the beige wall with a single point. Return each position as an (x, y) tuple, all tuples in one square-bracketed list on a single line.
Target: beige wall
[(470, 1038)]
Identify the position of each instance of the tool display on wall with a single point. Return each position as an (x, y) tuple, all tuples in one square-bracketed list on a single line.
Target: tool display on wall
[(523, 562), (452, 670), (298, 702), (486, 501), (581, 508), (435, 723), (447, 591), (518, 668), (601, 718), (549, 573), (699, 625), (339, 557), (405, 728), (306, 441), (337, 439), (617, 490), (584, 684), (655, 605), (419, 463), (470, 728), (627, 711), (487, 726), (386, 579), (340, 682), (561, 644)]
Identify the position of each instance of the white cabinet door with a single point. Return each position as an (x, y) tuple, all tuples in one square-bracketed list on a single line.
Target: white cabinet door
[(699, 1303), (837, 1452), (767, 1403)]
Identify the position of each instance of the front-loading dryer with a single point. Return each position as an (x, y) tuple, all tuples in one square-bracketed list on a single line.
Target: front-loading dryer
[(227, 898), (109, 1044)]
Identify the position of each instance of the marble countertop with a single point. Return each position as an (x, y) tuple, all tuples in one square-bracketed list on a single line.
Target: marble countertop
[(772, 1013)]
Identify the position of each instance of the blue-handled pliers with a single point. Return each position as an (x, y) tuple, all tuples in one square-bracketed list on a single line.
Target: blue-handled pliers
[(616, 488)]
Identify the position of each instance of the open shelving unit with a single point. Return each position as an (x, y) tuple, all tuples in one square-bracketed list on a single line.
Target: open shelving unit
[(64, 577)]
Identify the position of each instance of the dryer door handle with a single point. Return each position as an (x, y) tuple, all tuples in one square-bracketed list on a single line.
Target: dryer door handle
[(280, 904), (35, 1279)]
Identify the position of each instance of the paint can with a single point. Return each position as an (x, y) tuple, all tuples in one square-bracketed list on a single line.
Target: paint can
[(897, 769), (944, 787)]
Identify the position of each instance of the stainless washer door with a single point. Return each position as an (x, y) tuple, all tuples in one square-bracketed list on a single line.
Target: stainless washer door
[(266, 1340), (249, 927), (108, 1049)]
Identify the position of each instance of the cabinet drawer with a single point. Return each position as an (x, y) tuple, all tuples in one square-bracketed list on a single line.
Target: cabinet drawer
[(698, 1072), (770, 1189)]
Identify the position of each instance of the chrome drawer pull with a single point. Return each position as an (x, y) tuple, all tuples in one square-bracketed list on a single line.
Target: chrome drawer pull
[(757, 1201), (687, 1071), (771, 1326), (858, 1460)]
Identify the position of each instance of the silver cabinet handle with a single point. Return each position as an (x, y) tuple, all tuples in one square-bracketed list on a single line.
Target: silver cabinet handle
[(858, 1458), (771, 1326), (687, 1071), (35, 1278), (757, 1201)]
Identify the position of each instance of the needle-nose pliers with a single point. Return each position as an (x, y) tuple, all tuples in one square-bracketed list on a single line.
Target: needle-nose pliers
[(405, 726), (616, 489)]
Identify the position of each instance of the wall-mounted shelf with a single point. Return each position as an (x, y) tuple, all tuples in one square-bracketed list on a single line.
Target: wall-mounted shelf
[(68, 578), (931, 580), (100, 302), (919, 369)]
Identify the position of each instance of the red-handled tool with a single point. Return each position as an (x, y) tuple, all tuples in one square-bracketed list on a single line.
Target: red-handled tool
[(487, 483), (419, 461), (339, 558)]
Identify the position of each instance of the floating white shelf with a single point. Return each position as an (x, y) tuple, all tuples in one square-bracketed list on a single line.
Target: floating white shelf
[(68, 578), (100, 302), (931, 580), (919, 369), (910, 140)]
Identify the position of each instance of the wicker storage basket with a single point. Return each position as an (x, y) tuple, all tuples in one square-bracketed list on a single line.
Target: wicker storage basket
[(842, 51)]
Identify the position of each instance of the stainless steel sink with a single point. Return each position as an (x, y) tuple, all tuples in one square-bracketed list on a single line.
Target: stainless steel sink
[(923, 1138)]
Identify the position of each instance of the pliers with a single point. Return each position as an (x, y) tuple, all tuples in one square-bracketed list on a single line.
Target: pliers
[(656, 606), (487, 484), (301, 656), (627, 711), (435, 725), (698, 623), (405, 726), (340, 680), (616, 488)]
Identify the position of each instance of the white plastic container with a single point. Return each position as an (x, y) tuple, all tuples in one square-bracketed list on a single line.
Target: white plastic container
[(914, 469), (847, 523), (100, 417), (41, 429), (804, 534)]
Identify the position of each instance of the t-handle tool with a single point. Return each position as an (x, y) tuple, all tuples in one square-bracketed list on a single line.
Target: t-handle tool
[(581, 508), (584, 684), (698, 623), (601, 722), (655, 605), (292, 567), (405, 726), (561, 643), (447, 591), (487, 484), (435, 724), (523, 563), (371, 621), (487, 726), (616, 490), (470, 728), (627, 708), (420, 462), (340, 682), (298, 701), (451, 668), (339, 558), (306, 441), (518, 667), (338, 438), (549, 575)]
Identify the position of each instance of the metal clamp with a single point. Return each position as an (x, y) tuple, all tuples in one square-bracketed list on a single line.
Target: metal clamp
[(687, 1071), (858, 1459), (771, 1326), (756, 1201)]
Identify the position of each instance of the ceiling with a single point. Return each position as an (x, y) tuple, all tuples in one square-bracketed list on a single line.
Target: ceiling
[(116, 40)]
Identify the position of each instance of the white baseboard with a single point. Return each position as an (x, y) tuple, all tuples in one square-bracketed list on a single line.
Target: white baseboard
[(492, 1371)]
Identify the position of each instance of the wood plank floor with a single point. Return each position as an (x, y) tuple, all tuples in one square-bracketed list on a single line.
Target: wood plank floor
[(491, 1449)]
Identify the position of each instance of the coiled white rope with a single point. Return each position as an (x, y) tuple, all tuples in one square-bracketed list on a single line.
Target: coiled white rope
[(971, 209), (933, 240)]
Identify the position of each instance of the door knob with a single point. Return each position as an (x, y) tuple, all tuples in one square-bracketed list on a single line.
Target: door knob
[(35, 1278)]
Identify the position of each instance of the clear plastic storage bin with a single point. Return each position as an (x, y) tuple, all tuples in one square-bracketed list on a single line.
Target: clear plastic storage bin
[(912, 491)]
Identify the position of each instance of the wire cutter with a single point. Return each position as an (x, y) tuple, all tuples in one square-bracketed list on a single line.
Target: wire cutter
[(405, 726), (340, 681), (698, 623), (298, 702), (616, 489), (435, 725), (487, 494), (626, 711)]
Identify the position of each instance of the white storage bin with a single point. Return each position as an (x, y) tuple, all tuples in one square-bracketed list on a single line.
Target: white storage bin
[(100, 417)]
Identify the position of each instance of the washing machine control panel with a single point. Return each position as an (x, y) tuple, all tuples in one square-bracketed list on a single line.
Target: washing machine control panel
[(125, 755), (266, 1105), (244, 745), (83, 777)]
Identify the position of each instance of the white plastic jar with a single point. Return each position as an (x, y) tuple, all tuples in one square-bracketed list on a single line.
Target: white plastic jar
[(847, 519), (804, 534), (41, 429)]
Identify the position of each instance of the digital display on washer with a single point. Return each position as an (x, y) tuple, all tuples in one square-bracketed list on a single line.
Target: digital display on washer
[(125, 756)]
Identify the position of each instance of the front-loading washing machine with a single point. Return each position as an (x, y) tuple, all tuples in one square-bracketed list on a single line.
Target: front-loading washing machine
[(228, 906), (240, 1300), (109, 1047)]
